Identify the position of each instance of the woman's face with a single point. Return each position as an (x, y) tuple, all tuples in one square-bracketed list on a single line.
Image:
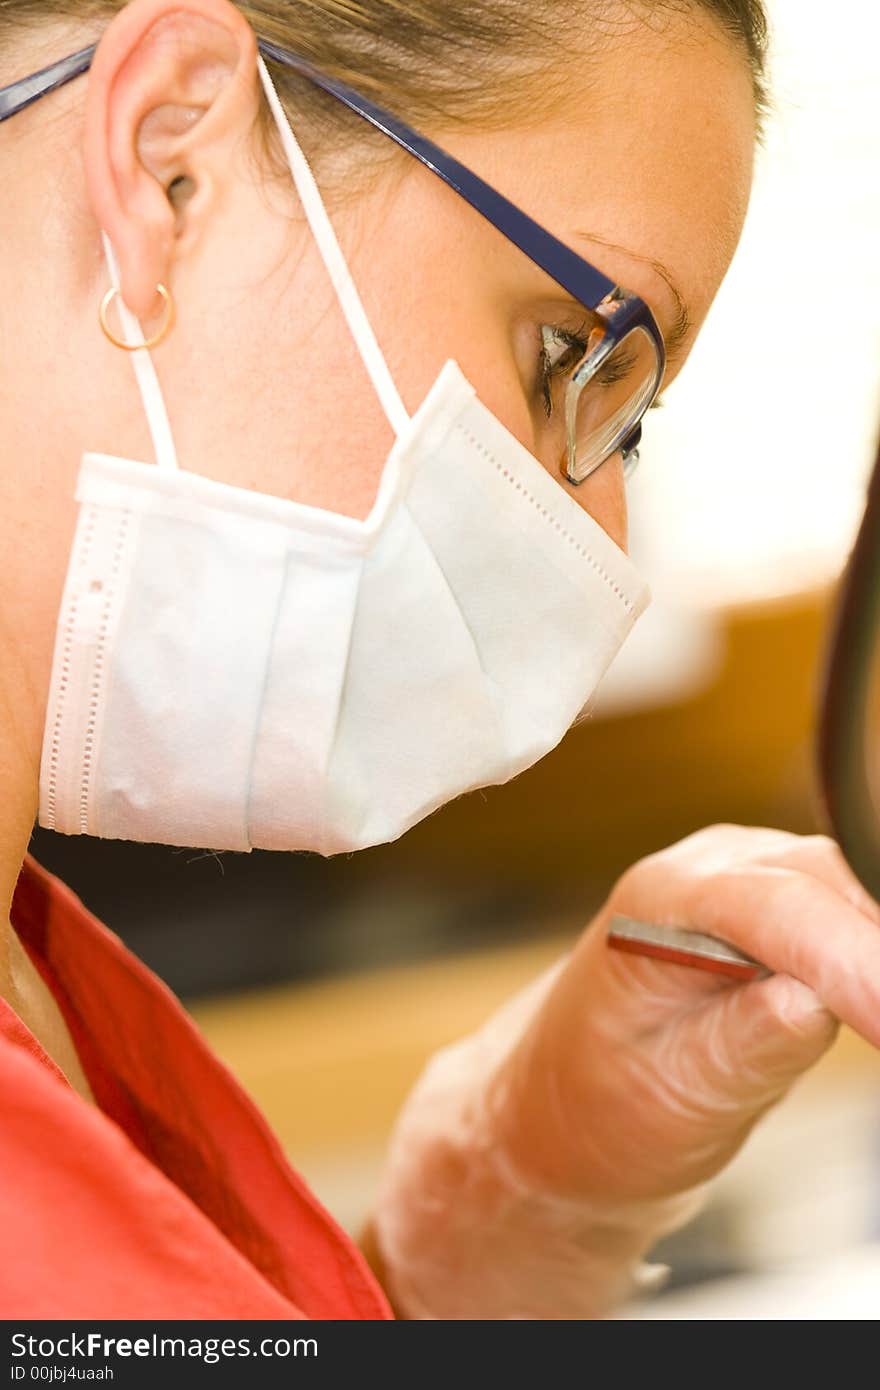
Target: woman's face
[(643, 165)]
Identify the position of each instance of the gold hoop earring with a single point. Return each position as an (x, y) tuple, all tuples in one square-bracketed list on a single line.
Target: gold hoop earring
[(150, 342)]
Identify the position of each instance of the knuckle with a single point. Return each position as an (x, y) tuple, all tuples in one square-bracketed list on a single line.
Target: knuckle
[(816, 849), (824, 844), (723, 832), (644, 871)]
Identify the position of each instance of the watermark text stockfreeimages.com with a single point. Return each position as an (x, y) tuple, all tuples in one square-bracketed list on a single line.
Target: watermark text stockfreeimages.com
[(32, 1353)]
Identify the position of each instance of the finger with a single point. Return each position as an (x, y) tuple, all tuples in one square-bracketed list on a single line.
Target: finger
[(822, 858), (726, 1064), (797, 925), (798, 921), (629, 996), (654, 989), (723, 848), (746, 1049), (717, 848)]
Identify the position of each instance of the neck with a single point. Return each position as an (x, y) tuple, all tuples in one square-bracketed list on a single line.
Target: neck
[(20, 983), (17, 815), (20, 739)]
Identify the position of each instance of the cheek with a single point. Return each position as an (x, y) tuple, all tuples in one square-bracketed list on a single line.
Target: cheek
[(447, 306), (603, 495)]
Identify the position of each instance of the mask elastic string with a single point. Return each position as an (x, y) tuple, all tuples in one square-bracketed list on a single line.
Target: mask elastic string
[(337, 269), (145, 372)]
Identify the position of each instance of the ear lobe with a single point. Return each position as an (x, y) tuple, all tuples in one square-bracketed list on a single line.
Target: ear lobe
[(172, 85)]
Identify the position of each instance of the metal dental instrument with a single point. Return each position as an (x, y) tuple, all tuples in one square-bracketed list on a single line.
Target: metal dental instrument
[(682, 947)]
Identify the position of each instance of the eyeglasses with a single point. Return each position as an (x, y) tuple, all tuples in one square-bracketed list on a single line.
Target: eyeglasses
[(616, 377)]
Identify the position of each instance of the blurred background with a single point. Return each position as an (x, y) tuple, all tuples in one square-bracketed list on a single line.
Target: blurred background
[(326, 984)]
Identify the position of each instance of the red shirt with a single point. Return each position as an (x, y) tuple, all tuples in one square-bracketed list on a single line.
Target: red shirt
[(169, 1199)]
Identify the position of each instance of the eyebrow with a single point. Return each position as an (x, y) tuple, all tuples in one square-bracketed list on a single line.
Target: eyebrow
[(682, 322)]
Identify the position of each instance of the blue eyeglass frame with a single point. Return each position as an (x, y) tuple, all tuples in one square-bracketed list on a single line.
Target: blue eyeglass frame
[(620, 311)]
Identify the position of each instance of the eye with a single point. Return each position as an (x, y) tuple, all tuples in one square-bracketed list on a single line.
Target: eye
[(562, 349)]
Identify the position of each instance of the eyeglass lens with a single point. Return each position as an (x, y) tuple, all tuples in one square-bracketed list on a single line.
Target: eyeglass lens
[(612, 401)]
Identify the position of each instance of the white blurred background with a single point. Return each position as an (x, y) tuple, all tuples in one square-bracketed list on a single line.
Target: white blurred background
[(752, 474)]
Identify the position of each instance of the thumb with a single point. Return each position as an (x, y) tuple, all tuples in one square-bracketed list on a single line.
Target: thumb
[(756, 1040)]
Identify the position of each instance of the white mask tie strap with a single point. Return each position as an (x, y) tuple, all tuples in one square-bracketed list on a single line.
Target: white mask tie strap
[(145, 372), (334, 260)]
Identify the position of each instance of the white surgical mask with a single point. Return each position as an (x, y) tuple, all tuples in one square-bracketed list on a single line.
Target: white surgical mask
[(234, 670)]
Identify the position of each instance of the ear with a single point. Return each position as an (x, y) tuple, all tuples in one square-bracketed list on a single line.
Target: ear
[(172, 90)]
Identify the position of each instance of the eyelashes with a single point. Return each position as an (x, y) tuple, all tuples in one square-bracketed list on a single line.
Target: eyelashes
[(560, 351)]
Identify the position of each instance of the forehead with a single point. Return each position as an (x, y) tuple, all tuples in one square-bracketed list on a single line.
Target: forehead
[(665, 166), (643, 153)]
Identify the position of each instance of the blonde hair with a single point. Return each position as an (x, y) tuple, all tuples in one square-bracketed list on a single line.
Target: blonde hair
[(437, 63)]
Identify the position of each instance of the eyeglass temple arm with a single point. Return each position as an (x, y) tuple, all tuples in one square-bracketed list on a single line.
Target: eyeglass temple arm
[(27, 90), (586, 284)]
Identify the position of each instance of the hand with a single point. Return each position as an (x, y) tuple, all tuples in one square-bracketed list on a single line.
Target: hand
[(638, 1079), (536, 1161)]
